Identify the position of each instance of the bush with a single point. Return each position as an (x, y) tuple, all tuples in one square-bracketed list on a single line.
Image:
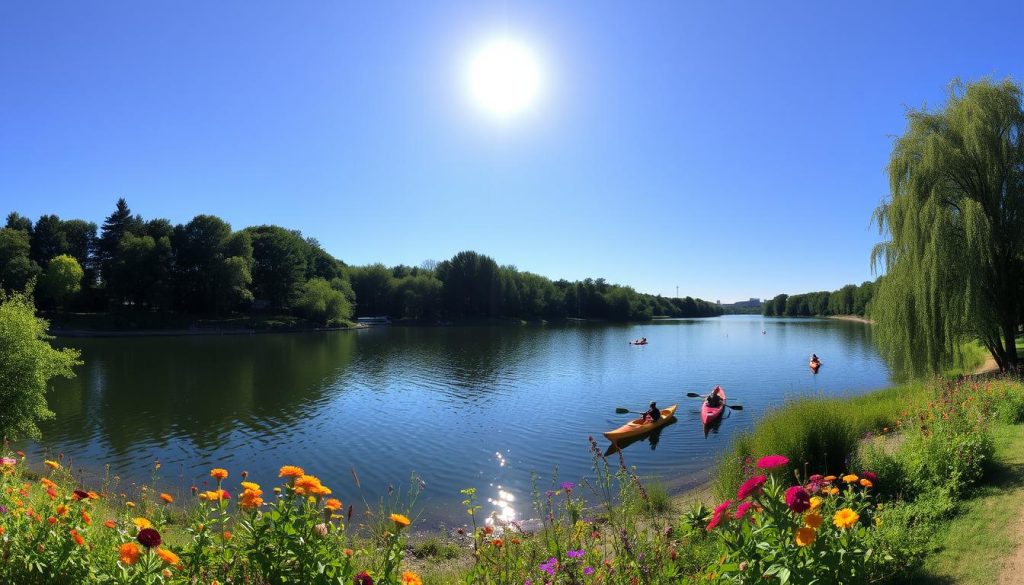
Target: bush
[(319, 301)]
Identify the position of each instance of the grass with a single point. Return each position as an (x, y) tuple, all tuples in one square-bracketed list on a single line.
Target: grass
[(971, 546)]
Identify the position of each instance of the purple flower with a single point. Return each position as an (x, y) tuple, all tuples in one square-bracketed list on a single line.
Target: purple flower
[(549, 493), (549, 566), (3, 509), (567, 486), (588, 570), (575, 554)]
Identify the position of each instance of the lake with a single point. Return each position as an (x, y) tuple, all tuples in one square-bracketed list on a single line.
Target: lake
[(482, 407)]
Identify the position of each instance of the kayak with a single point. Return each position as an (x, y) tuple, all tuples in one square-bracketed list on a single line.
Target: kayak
[(638, 343), (815, 366), (710, 414), (637, 427)]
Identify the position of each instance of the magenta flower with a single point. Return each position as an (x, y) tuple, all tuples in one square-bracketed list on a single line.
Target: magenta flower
[(148, 537), (588, 570), (741, 510), (567, 486), (751, 487), (772, 461), (870, 476), (575, 554), (549, 566), (722, 507), (716, 520), (798, 499)]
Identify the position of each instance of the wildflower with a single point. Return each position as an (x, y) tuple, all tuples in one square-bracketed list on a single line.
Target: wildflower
[(866, 483), (130, 504), (142, 523), (410, 578), (813, 520), (51, 464), (227, 535), (363, 578), (850, 478), (498, 543), (47, 482), (722, 507), (168, 557), (306, 483), (86, 517), (321, 529), (248, 485), (148, 538), (129, 553), (816, 503), (845, 518), (62, 510), (51, 520), (829, 478), (716, 520), (575, 554), (751, 487), (292, 471), (869, 475), (5, 461), (567, 486), (488, 530), (219, 474), (805, 536), (399, 520), (250, 499), (168, 498), (741, 510), (93, 496), (79, 495), (549, 566), (798, 499), (333, 505), (110, 524), (772, 461)]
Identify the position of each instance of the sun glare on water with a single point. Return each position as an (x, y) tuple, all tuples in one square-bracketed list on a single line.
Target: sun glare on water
[(504, 77)]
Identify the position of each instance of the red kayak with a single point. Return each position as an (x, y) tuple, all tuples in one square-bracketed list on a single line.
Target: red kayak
[(709, 414), (815, 366)]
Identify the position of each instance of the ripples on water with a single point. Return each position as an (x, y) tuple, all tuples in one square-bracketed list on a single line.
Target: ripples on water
[(482, 407)]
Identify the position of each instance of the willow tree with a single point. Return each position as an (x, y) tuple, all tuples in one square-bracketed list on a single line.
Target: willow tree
[(954, 262)]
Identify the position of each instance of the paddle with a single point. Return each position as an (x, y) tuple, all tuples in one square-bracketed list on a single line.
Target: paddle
[(730, 406), (621, 410)]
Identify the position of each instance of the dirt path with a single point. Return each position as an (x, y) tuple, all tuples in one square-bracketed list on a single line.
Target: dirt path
[(1012, 570), (988, 366)]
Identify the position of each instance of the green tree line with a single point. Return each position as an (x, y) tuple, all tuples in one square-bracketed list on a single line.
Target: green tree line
[(851, 299), (204, 267)]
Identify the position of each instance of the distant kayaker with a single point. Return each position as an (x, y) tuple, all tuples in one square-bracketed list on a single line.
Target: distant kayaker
[(814, 358), (713, 400), (653, 414)]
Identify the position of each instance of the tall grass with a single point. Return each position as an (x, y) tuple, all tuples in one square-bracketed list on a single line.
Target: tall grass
[(817, 433)]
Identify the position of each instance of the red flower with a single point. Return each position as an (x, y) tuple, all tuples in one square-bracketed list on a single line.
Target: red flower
[(80, 495), (870, 476), (722, 507), (798, 499), (363, 578), (741, 510), (751, 487), (772, 461), (148, 538)]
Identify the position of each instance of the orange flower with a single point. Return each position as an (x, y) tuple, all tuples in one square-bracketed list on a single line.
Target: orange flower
[(291, 471), (498, 543), (86, 517), (248, 485), (168, 557), (250, 500), (410, 578), (52, 464), (167, 498), (142, 523), (866, 483), (227, 535), (62, 510), (850, 478), (399, 520), (347, 551), (306, 484), (1, 530), (110, 524), (51, 520), (845, 518), (129, 553), (813, 520), (333, 505), (77, 537), (830, 478), (805, 536), (219, 474), (48, 483)]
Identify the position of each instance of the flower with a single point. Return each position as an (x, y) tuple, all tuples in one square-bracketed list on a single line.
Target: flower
[(410, 578), (772, 462), (741, 510), (850, 478), (549, 566), (80, 495), (816, 503), (77, 537), (110, 524), (52, 464), (805, 536), (307, 484), (751, 487), (813, 520), (567, 486), (292, 471), (575, 554), (399, 520), (219, 474), (798, 499), (86, 517), (498, 543), (866, 483), (168, 557), (8, 461), (333, 504), (148, 538), (869, 475), (168, 498), (363, 578), (129, 553), (141, 523), (722, 507), (227, 535), (248, 485), (321, 529), (588, 570), (845, 518), (829, 478)]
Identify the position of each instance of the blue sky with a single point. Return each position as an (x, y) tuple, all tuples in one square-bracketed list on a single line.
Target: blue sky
[(732, 149)]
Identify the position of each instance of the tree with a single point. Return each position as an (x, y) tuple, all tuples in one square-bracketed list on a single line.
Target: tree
[(16, 269), (471, 285), (48, 240), (279, 264), (954, 263), (318, 301), (27, 363), (63, 277), (117, 224), (16, 221)]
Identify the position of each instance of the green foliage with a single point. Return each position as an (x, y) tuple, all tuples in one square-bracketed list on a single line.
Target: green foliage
[(955, 217), (848, 300), (435, 548), (27, 363), (16, 269), (63, 277), (279, 264), (318, 301)]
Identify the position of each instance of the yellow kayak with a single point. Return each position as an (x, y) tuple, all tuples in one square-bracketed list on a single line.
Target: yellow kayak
[(637, 427)]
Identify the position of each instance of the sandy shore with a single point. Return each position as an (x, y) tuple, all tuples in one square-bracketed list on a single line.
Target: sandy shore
[(854, 318)]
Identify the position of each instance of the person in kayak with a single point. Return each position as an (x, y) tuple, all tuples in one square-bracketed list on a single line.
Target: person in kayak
[(714, 400), (814, 358), (653, 414)]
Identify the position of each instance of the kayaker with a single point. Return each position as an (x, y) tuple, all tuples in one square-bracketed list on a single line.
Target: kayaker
[(653, 414), (713, 400), (814, 358)]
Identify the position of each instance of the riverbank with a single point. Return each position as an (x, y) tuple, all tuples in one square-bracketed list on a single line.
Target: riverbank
[(854, 318)]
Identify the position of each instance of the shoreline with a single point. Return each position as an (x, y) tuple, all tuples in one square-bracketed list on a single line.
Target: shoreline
[(854, 318), (87, 333)]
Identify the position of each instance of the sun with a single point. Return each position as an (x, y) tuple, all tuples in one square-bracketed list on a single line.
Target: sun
[(504, 77)]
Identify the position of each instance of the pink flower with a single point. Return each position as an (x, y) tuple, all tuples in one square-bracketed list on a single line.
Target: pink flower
[(870, 476), (751, 487), (772, 461), (741, 510), (716, 520), (722, 507), (798, 499)]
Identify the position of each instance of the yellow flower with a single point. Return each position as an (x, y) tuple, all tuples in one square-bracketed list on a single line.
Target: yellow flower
[(410, 578), (805, 536), (168, 557), (816, 503), (167, 498), (291, 471), (866, 483), (813, 520), (845, 518), (142, 523), (52, 464), (850, 478), (248, 485), (130, 504), (129, 553), (219, 474), (399, 520)]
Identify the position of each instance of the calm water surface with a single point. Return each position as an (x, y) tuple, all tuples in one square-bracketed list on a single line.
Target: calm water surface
[(461, 406)]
